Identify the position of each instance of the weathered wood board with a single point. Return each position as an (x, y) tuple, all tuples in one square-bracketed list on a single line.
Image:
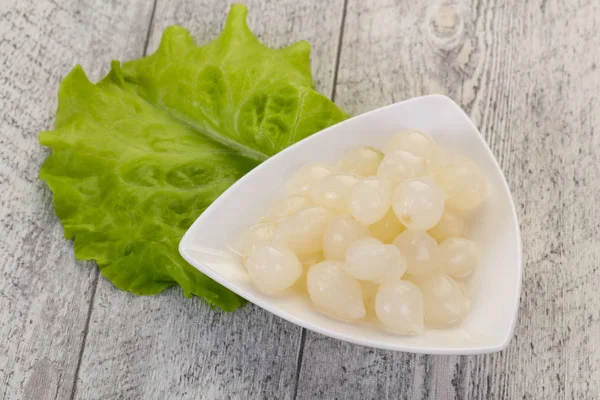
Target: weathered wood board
[(526, 72)]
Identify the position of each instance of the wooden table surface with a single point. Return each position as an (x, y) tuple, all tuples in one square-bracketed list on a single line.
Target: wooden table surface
[(528, 74)]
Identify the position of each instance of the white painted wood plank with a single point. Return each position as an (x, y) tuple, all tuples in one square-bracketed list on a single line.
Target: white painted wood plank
[(172, 347), (527, 72), (168, 346), (44, 293)]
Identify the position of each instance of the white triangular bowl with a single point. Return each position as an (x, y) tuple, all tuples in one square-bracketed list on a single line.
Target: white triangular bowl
[(495, 285)]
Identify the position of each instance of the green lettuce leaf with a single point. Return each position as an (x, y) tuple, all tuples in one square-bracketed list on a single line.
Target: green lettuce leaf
[(138, 156)]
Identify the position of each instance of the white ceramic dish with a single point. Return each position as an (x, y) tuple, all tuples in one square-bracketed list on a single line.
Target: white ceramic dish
[(496, 282)]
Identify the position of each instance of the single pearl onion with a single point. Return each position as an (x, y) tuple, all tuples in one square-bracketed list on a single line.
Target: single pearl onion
[(302, 232), (370, 199), (302, 181), (334, 292), (400, 165), (286, 207), (370, 260), (420, 251), (399, 307), (341, 232), (258, 235), (418, 203), (420, 144), (463, 182), (273, 268), (387, 228), (452, 224), (444, 301), (333, 191), (457, 257), (362, 161)]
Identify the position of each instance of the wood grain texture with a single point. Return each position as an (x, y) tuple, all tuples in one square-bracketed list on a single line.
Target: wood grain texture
[(44, 294), (172, 347), (527, 73)]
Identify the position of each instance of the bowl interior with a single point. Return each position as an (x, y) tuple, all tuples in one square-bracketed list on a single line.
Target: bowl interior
[(494, 287)]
